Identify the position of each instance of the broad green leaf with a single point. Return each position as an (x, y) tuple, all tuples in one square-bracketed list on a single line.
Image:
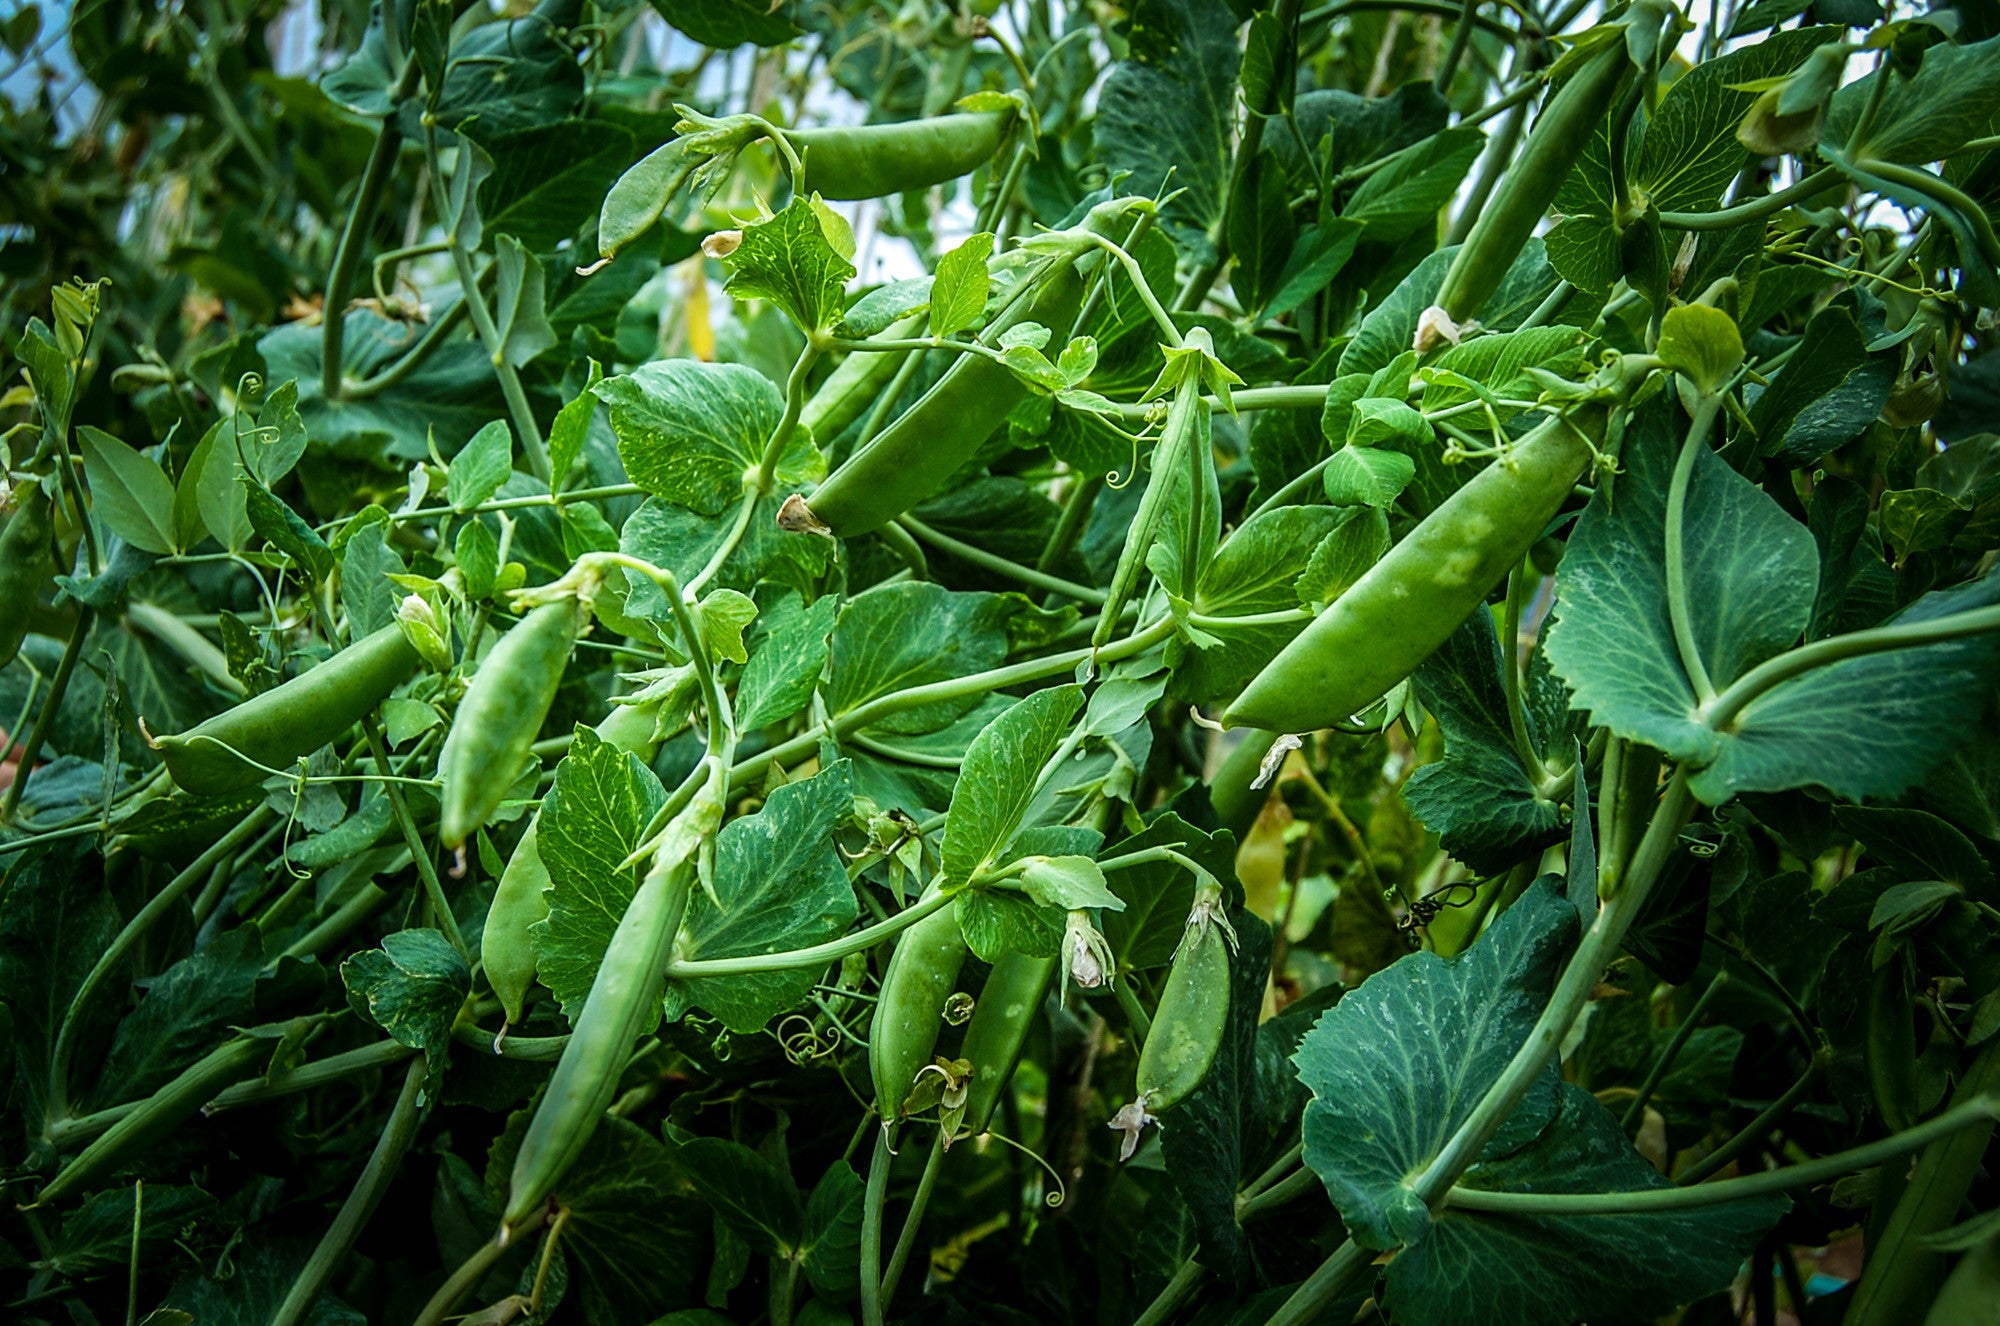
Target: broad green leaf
[(1499, 363), (129, 492), (187, 1010), (1256, 571), (1261, 231), (684, 542), (832, 1251), (1068, 882), (1404, 194), (997, 921), (480, 466), (1167, 114), (1367, 476), (571, 428), (1918, 520), (1398, 1064), (1954, 98), (631, 1212), (98, 1237), (508, 75), (788, 653), (280, 439), (1918, 845), (747, 1190), (958, 292), (998, 780), (1551, 1270), (477, 553), (780, 883), (789, 261), (1158, 895), (725, 24), (691, 432), (1750, 570), (1344, 556), (412, 987), (273, 519), (547, 179), (894, 637), (1318, 256), (1391, 326), (1377, 422), (1827, 394), (1479, 799), (592, 818)]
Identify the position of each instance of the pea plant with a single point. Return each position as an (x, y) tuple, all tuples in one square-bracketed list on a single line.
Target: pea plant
[(1000, 661)]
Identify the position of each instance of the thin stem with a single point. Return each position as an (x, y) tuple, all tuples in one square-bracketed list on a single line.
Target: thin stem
[(744, 512), (1678, 608), (1518, 586), (1177, 1292), (795, 403), (1077, 505), (1728, 217), (1327, 1282), (1760, 1127), (532, 446), (1725, 708), (1461, 34), (413, 358), (1287, 1190), (366, 1195), (31, 749), (999, 565), (818, 955), (426, 868), (1981, 1110), (353, 236), (1637, 1108), (913, 1220)]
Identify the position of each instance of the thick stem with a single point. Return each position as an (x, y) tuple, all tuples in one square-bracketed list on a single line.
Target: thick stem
[(1679, 610), (872, 1200), (913, 1220)]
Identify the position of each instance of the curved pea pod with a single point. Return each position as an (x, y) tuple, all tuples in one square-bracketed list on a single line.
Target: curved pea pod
[(624, 1002), (854, 386), (909, 1014), (25, 567), (911, 458), (1188, 1025), (875, 160), (504, 951), (1557, 142), (1971, 1293), (1001, 1021), (502, 711), (291, 720), (1411, 601)]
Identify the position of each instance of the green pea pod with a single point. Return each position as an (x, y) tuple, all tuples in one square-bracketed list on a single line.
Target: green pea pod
[(288, 721), (1411, 601), (1235, 801), (1567, 124), (156, 1118), (856, 384), (1192, 1014), (1001, 1021), (504, 951), (923, 972), (502, 711), (25, 568), (876, 160), (1891, 1046), (624, 1002)]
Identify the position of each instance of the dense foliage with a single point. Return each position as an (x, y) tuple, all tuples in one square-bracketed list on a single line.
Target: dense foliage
[(1000, 662)]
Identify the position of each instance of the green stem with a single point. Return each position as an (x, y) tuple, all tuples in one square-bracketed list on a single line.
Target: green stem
[(1442, 8), (412, 359), (873, 1198), (1981, 1111), (1726, 707), (999, 565), (426, 868), (1760, 1127), (354, 235), (1282, 1193), (818, 955), (1518, 583), (121, 947), (1327, 1282), (913, 1220), (788, 424), (1637, 1109), (1177, 1292), (532, 445), (1678, 608), (1077, 505), (461, 1283), (1729, 217), (1461, 34), (366, 1195), (31, 749), (1135, 1012), (745, 511)]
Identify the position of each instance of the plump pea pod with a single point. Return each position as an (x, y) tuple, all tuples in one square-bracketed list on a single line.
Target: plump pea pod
[(923, 972), (1192, 1015), (1000, 1025), (854, 386), (1971, 1293), (25, 567), (504, 951), (1411, 601), (502, 711), (1235, 801), (875, 160), (911, 458), (291, 720), (155, 1119), (624, 1001), (1558, 140)]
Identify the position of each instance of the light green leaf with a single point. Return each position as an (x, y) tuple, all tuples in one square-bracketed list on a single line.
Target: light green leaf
[(129, 492), (1701, 343), (366, 592), (1953, 99), (1316, 258), (997, 921), (780, 884), (411, 987), (1405, 192), (1255, 571), (1343, 556), (789, 261), (1377, 422), (284, 529), (1068, 882), (958, 292), (788, 653), (691, 432), (480, 466), (724, 614), (571, 428), (998, 780), (518, 310), (894, 637), (1367, 476)]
